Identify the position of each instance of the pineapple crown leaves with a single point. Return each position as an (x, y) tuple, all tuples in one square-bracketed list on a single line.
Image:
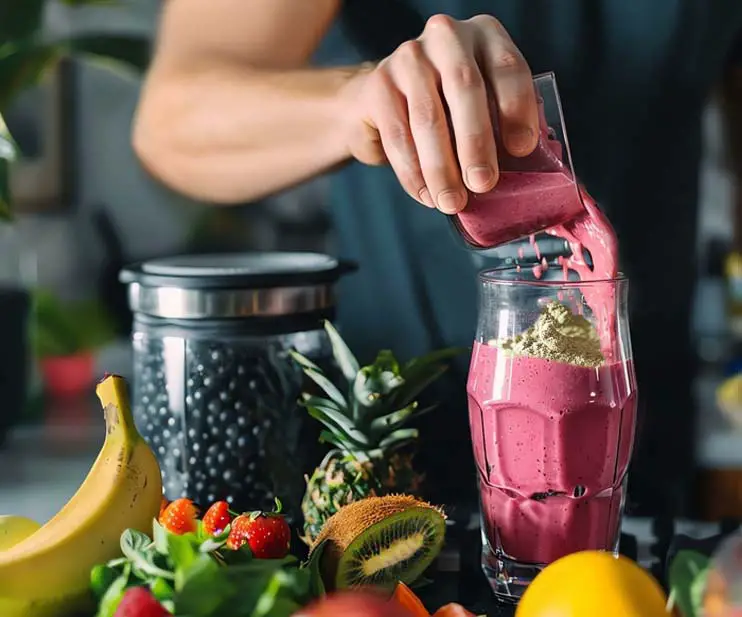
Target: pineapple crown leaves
[(367, 414)]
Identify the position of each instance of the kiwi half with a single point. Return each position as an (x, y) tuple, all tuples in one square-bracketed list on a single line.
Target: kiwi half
[(379, 541)]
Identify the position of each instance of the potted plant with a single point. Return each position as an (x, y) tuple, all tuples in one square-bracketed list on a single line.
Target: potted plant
[(65, 335), (27, 54)]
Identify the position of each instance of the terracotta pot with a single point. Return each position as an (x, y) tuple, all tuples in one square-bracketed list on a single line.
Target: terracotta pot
[(68, 376)]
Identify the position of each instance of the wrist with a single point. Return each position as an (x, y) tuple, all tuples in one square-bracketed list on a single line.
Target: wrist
[(350, 108)]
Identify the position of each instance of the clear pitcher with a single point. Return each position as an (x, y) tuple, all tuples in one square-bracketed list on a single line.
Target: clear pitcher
[(534, 192)]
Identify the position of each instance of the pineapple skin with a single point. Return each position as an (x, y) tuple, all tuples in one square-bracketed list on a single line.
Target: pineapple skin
[(341, 480)]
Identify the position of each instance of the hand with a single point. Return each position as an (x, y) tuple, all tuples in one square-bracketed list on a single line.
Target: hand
[(425, 110)]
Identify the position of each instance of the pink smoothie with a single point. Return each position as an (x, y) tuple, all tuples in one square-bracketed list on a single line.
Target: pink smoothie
[(552, 443), (523, 202)]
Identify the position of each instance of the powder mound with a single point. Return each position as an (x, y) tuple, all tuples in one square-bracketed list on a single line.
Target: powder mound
[(558, 335)]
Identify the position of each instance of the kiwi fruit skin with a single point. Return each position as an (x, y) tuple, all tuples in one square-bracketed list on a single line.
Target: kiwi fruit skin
[(365, 523)]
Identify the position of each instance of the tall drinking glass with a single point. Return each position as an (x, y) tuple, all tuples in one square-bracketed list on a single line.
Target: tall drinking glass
[(552, 410)]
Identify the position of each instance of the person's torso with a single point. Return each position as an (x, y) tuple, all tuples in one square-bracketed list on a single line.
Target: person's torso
[(633, 77)]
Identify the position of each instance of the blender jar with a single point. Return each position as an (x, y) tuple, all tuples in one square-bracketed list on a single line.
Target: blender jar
[(215, 391)]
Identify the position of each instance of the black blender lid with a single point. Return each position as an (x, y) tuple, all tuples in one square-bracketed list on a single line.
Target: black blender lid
[(237, 270)]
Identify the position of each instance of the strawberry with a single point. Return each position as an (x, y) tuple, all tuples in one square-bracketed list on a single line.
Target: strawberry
[(139, 602), (217, 518), (267, 534), (164, 503), (180, 517)]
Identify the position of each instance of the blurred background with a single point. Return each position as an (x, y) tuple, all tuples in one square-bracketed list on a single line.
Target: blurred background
[(84, 207)]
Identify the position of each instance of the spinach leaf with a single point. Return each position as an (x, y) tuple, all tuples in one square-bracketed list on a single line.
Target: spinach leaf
[(101, 578), (201, 589), (183, 550), (159, 537), (111, 599), (685, 570), (138, 549)]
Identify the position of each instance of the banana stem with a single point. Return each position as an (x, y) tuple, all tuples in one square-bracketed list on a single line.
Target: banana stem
[(114, 399)]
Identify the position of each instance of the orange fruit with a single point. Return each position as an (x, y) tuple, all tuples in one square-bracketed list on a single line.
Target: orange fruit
[(591, 584)]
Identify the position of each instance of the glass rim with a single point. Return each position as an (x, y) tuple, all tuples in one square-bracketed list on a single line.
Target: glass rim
[(492, 276)]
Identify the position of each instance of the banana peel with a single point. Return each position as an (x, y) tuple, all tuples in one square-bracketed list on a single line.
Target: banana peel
[(45, 572), (13, 529)]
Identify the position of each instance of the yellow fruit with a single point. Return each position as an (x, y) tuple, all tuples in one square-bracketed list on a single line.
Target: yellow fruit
[(13, 529), (47, 574), (593, 584)]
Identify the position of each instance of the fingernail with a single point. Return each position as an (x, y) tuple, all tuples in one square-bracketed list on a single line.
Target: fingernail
[(425, 197), (450, 202), (479, 176), (520, 140)]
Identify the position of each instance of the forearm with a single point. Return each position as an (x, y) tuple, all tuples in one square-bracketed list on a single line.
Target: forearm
[(227, 133)]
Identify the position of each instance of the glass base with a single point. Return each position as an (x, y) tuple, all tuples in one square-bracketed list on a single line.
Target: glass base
[(510, 578), (507, 577)]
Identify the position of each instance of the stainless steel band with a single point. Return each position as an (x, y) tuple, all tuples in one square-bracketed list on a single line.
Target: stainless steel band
[(178, 303)]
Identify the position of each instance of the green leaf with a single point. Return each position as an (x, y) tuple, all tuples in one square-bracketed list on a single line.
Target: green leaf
[(685, 569), (385, 361), (303, 361), (159, 537), (65, 328), (698, 590), (24, 64), (371, 385), (8, 153), (316, 584), (5, 211), (161, 589), (329, 388), (398, 437), (343, 356), (267, 601), (435, 357), (117, 52), (201, 589), (335, 440), (183, 550), (138, 549), (336, 421), (134, 543), (20, 19), (383, 424), (110, 601), (101, 578)]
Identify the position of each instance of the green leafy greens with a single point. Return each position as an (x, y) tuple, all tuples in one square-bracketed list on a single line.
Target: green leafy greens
[(192, 575), (687, 577)]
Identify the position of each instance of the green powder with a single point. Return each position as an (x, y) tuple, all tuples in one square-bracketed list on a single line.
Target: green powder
[(558, 335)]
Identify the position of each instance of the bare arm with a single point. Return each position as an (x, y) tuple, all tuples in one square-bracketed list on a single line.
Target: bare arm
[(229, 112)]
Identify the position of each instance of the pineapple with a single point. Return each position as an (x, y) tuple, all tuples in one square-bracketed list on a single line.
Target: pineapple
[(365, 420)]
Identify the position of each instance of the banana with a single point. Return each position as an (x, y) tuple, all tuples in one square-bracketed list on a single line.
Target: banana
[(13, 529), (48, 573)]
